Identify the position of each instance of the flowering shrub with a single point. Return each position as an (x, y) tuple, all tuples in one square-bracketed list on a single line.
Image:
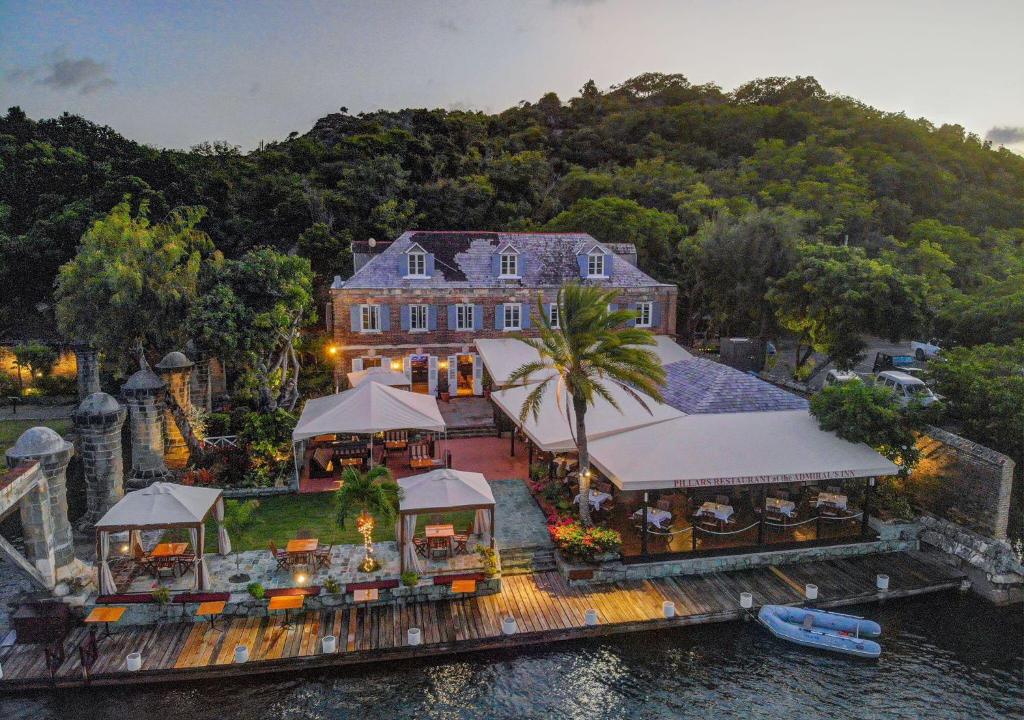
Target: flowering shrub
[(583, 543), (202, 476)]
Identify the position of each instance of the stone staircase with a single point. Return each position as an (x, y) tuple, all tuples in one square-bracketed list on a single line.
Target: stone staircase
[(519, 561), (471, 431)]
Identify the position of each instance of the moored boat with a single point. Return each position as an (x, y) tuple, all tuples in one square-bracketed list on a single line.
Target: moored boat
[(822, 629)]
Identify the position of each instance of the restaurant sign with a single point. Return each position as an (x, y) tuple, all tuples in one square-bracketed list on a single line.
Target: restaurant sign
[(766, 479)]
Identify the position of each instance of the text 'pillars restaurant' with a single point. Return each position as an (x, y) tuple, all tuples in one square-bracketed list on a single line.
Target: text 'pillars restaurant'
[(728, 463)]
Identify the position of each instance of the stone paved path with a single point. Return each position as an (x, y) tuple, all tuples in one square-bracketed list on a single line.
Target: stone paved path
[(519, 522), (37, 412)]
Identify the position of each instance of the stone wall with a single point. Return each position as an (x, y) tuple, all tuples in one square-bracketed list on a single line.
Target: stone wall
[(993, 568), (617, 571), (964, 482)]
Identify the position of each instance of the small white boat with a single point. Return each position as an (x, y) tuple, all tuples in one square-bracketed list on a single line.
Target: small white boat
[(822, 629)]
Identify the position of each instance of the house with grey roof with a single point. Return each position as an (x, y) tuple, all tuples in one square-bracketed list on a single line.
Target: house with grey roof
[(417, 303)]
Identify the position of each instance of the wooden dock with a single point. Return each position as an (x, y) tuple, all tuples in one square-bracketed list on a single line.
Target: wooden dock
[(546, 610)]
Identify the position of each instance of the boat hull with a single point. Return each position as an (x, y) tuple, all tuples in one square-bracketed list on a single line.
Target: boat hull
[(834, 632)]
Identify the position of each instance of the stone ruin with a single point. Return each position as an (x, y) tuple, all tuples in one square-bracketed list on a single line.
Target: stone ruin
[(99, 420)]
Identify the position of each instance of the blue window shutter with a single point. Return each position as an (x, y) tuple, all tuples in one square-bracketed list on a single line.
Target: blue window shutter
[(404, 313), (582, 259), (524, 315), (632, 323), (496, 265), (655, 314), (478, 317), (521, 265), (403, 264), (499, 317), (385, 317), (430, 265), (451, 317), (608, 264), (612, 307), (547, 311), (432, 317), (357, 319)]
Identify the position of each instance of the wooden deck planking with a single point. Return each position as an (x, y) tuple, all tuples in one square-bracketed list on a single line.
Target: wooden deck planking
[(545, 607)]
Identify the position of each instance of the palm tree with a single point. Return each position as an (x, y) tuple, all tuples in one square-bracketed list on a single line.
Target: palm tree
[(373, 493), (592, 348)]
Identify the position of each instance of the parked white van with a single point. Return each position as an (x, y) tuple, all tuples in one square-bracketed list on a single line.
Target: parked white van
[(840, 377), (906, 387)]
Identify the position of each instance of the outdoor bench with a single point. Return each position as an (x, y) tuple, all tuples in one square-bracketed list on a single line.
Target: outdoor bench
[(449, 579), (125, 599), (201, 597), (371, 585)]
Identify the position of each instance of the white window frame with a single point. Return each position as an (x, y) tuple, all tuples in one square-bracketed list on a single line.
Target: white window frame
[(420, 259), (513, 261), (593, 260), (553, 319), (513, 310), (644, 308), (369, 318), (464, 317), (424, 311)]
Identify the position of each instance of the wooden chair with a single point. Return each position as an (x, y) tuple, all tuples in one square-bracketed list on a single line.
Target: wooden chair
[(185, 561), (283, 561), (320, 465), (665, 504), (722, 499), (462, 539), (420, 543), (438, 546), (322, 556)]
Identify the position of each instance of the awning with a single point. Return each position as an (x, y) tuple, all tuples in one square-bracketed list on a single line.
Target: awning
[(502, 356), (762, 448), (551, 431), (382, 375), (443, 490), (368, 408), (161, 505)]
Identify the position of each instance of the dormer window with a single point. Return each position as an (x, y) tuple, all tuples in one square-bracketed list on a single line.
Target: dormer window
[(417, 264), (509, 265), (595, 265)]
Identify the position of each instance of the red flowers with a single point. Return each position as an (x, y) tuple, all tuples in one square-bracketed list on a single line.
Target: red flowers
[(582, 543)]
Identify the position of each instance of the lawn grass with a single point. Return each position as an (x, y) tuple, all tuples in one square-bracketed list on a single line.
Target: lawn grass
[(280, 518), (11, 430)]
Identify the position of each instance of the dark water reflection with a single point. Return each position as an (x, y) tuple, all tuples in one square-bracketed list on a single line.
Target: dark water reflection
[(944, 657)]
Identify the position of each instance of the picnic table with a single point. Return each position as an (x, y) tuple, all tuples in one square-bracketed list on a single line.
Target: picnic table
[(833, 500), (783, 507), (302, 549), (440, 537), (106, 615), (596, 499), (655, 516)]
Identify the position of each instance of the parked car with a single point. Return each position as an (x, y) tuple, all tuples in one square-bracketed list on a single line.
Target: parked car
[(925, 350), (885, 361), (906, 387), (840, 377)]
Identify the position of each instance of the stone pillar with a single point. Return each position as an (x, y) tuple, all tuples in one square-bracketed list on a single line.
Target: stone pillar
[(175, 369), (88, 362), (144, 395), (53, 454), (99, 419), (200, 388)]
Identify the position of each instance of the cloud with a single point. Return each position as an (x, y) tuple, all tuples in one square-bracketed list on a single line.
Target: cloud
[(449, 25), (1006, 135), (59, 72)]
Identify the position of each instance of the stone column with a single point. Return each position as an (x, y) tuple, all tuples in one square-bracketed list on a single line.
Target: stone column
[(53, 453), (99, 419), (88, 362), (144, 395), (175, 369), (200, 388)]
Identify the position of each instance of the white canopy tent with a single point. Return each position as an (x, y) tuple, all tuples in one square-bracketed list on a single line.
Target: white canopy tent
[(382, 375), (502, 356), (443, 490), (554, 427), (158, 507), (748, 448)]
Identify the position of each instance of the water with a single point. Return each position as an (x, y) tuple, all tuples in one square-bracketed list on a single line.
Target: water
[(947, 656)]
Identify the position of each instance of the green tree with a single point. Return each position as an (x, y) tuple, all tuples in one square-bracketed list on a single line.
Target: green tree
[(132, 283), (869, 414), (250, 313), (372, 494), (591, 350), (38, 357), (835, 295)]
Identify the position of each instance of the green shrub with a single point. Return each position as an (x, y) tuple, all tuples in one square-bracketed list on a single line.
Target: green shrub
[(256, 590), (410, 579), (55, 385), (490, 559), (161, 595), (538, 472), (217, 424), (332, 586)]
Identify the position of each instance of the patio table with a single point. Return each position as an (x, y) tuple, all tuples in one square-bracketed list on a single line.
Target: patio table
[(597, 498), (655, 516), (785, 507), (831, 500), (106, 615), (212, 609), (302, 548), (286, 603), (720, 512), (166, 555), (437, 533)]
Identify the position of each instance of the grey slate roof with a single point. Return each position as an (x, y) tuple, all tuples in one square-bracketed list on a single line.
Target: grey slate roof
[(463, 259), (698, 386)]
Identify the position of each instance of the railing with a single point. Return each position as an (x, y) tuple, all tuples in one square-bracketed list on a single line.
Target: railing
[(220, 441)]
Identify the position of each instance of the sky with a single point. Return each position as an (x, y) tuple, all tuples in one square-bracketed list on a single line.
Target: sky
[(173, 74)]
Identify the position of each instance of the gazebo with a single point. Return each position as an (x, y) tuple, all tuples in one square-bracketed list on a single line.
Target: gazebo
[(162, 506), (441, 491)]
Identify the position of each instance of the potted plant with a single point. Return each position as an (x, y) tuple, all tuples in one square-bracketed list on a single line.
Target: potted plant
[(488, 384), (442, 387), (332, 586), (410, 579), (162, 597)]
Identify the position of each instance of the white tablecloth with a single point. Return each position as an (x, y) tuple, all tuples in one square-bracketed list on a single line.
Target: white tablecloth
[(722, 512), (655, 516), (596, 499), (786, 507), (836, 501)]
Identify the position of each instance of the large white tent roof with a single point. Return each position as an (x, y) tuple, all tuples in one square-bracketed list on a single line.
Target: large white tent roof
[(504, 355), (552, 430), (160, 505), (382, 375), (733, 449), (368, 408), (444, 489)]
